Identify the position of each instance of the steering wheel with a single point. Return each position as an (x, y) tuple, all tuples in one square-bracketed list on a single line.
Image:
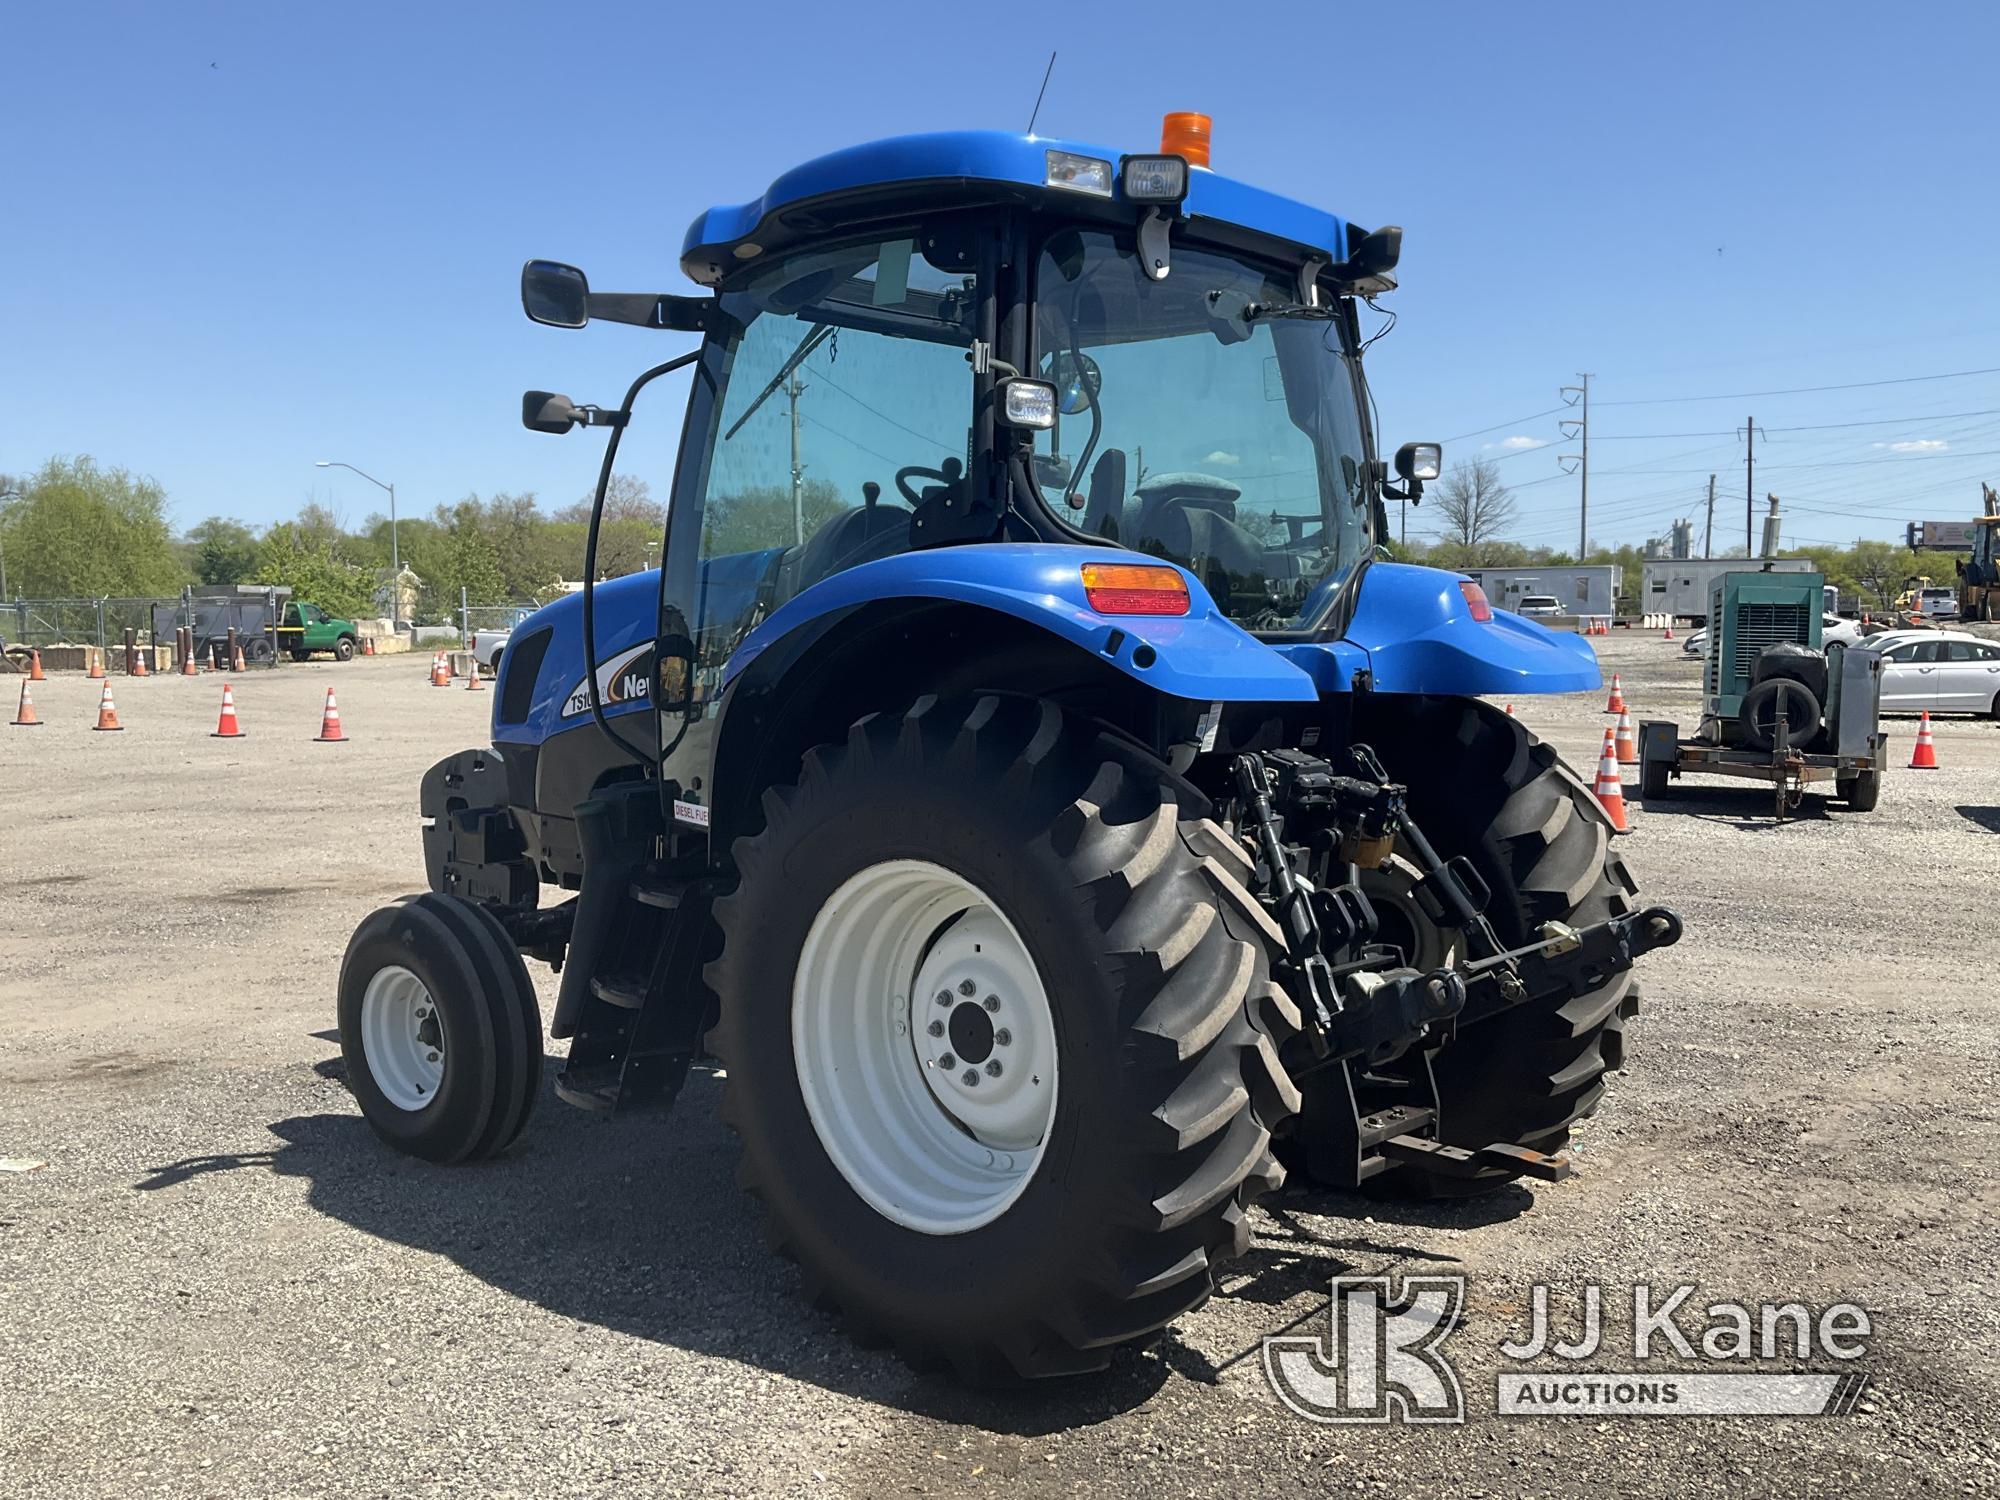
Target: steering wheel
[(951, 473)]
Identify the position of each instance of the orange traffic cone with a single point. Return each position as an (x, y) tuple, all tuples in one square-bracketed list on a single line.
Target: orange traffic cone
[(1610, 791), (368, 645), (211, 657), (440, 671), (1669, 632), (139, 667), (472, 682), (24, 717), (226, 727), (1616, 703), (236, 659), (1510, 710), (330, 731), (188, 667), (107, 711), (96, 672), (35, 673), (1924, 757), (1626, 742)]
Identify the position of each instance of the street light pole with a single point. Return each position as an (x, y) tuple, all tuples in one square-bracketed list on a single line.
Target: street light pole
[(395, 552), (5, 495)]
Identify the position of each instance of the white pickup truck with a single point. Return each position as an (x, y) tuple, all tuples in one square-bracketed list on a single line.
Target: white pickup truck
[(487, 642)]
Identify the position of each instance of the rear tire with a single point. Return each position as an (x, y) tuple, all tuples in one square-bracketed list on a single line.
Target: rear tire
[(1481, 786), (1126, 911), (440, 1029)]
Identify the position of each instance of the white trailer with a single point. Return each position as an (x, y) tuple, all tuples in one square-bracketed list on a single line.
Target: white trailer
[(1591, 589), (1678, 586)]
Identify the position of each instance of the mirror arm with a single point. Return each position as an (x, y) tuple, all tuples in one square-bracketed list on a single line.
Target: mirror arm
[(654, 310)]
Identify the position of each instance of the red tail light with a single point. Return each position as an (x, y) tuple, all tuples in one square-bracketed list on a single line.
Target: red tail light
[(1475, 599)]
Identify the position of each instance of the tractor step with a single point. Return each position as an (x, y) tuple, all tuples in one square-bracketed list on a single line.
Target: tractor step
[(659, 891), (1456, 1161), (592, 1086), (626, 991)]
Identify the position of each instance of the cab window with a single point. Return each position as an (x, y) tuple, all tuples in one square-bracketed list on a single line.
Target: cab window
[(843, 427)]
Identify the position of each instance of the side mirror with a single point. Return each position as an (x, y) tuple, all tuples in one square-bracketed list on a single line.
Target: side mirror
[(545, 411), (1420, 461), (555, 294)]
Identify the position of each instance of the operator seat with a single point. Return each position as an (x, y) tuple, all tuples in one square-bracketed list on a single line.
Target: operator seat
[(866, 534), (1161, 522)]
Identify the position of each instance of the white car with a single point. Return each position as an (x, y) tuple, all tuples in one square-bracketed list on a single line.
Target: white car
[(1942, 671), (1532, 605)]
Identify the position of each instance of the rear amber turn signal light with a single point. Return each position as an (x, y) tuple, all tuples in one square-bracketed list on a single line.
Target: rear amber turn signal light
[(1134, 589)]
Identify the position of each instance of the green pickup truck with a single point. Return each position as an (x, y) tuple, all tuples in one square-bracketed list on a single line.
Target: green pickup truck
[(306, 628)]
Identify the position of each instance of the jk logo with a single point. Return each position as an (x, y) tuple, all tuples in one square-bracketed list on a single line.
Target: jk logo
[(1378, 1360)]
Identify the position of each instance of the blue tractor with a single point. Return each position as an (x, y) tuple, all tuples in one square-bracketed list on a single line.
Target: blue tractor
[(1024, 774)]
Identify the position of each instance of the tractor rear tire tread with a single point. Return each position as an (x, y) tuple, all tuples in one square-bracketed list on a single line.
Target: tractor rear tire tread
[(1171, 1086)]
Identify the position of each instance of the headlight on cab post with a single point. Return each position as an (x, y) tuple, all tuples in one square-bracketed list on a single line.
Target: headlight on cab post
[(1029, 404)]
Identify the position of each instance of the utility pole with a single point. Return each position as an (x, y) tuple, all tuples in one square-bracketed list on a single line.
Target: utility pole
[(1750, 487), (1579, 426), (795, 388), (1708, 537)]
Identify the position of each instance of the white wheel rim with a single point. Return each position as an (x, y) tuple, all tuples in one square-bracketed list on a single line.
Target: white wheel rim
[(1391, 890), (402, 1037), (935, 1111)]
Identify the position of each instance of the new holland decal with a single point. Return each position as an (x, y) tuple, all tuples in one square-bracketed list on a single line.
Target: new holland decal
[(626, 678)]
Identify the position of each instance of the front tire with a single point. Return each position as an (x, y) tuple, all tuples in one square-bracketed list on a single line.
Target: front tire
[(440, 1029), (343, 649), (983, 851)]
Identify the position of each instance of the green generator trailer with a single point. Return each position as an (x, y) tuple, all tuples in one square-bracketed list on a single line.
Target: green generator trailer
[(1776, 707)]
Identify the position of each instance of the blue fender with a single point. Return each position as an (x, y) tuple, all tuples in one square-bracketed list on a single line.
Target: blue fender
[(1202, 655), (1417, 633)]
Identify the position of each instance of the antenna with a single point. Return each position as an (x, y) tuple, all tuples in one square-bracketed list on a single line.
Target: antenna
[(1041, 91)]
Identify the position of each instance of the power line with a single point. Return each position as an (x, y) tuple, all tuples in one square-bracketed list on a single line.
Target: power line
[(1805, 390), (1510, 422), (1946, 416)]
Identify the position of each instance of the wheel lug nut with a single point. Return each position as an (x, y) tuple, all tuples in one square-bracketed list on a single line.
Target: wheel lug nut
[(947, 1062), (944, 997), (993, 1068), (431, 1057), (967, 988), (936, 1028), (993, 1002), (971, 1078), (1004, 1037)]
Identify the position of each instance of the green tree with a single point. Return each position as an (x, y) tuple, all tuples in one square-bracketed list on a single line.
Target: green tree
[(221, 551), (79, 531), (755, 519), (307, 562)]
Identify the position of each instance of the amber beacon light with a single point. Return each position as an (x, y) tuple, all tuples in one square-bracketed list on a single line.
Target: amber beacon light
[(1185, 133)]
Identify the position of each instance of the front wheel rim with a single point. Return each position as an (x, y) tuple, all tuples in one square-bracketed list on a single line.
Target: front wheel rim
[(925, 1046), (402, 1038)]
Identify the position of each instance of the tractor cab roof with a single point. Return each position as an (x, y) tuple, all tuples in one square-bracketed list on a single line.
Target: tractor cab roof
[(965, 168)]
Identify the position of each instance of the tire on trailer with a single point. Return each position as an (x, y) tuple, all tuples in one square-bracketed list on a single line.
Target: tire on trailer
[(1481, 786), (440, 1029), (967, 854), (1861, 791)]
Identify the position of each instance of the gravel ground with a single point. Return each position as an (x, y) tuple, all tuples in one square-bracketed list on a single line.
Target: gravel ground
[(219, 1284)]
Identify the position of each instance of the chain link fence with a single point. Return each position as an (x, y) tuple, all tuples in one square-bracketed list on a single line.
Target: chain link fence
[(153, 621)]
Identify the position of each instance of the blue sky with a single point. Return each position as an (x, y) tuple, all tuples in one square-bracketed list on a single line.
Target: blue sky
[(239, 238)]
